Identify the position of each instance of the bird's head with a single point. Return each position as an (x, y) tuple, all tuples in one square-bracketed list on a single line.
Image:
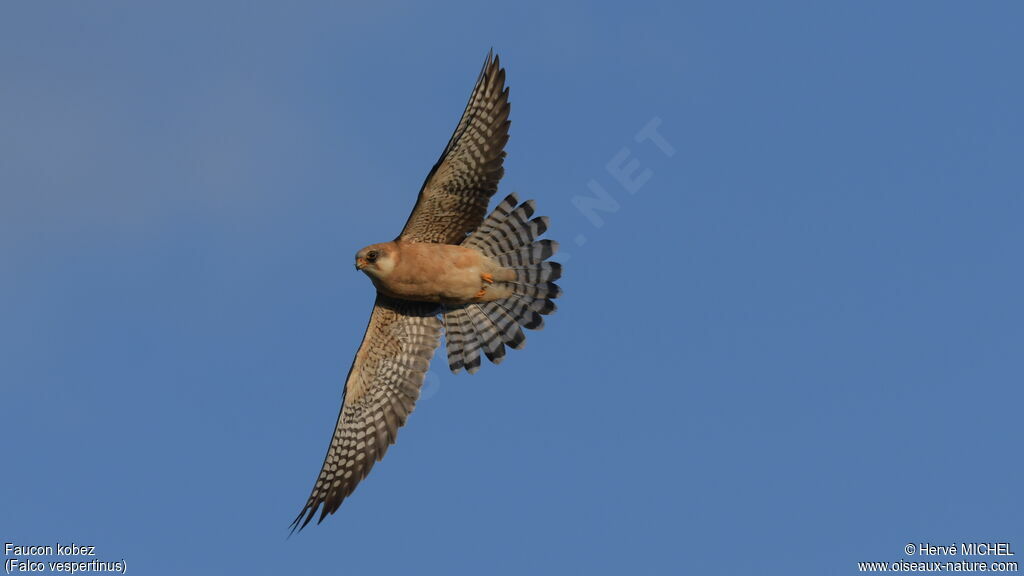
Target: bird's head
[(377, 260)]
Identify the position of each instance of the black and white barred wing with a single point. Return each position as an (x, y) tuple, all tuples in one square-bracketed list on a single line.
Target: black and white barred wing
[(455, 194), (380, 393)]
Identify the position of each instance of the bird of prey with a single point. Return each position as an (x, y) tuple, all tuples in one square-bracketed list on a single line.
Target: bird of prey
[(479, 280)]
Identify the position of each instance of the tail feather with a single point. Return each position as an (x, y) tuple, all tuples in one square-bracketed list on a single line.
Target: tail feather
[(495, 218), (515, 231), (471, 351), (455, 335), (509, 237), (544, 290), (543, 272), (511, 333), (521, 308), (544, 307), (529, 255), (490, 338)]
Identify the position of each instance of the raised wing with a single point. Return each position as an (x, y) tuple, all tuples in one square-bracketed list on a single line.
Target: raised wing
[(454, 197), (380, 392)]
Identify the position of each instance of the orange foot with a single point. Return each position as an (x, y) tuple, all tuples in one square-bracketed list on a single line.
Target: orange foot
[(481, 293), (487, 278)]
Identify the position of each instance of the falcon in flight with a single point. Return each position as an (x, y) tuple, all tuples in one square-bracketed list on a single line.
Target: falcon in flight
[(479, 280)]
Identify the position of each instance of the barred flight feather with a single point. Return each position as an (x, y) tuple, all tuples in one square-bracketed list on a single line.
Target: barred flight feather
[(381, 390)]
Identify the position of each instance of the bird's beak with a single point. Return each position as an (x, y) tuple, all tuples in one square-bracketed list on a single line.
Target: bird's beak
[(360, 263)]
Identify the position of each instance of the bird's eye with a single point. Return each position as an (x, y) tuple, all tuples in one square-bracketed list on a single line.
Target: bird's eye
[(371, 255)]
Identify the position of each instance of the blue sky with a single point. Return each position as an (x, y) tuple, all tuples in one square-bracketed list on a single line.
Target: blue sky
[(796, 346)]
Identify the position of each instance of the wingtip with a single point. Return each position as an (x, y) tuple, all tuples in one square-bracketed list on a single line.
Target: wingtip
[(488, 63), (493, 61), (295, 527), (308, 512)]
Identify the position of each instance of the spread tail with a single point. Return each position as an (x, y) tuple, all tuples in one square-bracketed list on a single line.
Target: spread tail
[(509, 237)]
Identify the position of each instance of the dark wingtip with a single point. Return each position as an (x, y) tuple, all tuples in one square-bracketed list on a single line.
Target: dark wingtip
[(297, 525)]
